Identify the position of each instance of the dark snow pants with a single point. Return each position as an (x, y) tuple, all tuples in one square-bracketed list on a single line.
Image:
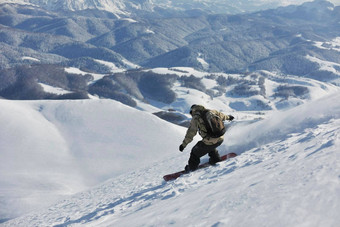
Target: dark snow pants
[(201, 149)]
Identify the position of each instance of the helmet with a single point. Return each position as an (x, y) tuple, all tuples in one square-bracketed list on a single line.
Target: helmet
[(195, 108)]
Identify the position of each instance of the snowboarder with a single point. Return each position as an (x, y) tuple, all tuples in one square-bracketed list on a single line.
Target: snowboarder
[(208, 144)]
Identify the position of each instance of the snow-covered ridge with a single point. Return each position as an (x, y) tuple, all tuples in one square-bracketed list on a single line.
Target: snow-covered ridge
[(286, 174), (116, 6), (243, 92), (331, 45), (125, 8), (121, 8)]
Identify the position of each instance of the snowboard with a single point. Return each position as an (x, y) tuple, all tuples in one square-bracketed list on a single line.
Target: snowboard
[(174, 176)]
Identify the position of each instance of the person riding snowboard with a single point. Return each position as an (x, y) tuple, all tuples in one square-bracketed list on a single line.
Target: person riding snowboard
[(210, 141)]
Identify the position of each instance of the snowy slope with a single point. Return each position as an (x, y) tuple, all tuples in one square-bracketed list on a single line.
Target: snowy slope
[(286, 174), (50, 149)]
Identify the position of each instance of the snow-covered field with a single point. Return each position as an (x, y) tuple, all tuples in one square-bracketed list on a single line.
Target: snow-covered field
[(100, 163)]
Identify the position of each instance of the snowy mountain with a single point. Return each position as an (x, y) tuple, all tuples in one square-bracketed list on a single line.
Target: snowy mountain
[(94, 96), (126, 8), (165, 88), (295, 40), (118, 7), (122, 7), (70, 146), (285, 174)]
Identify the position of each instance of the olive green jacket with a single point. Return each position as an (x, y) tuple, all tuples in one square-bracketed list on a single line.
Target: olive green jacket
[(197, 125)]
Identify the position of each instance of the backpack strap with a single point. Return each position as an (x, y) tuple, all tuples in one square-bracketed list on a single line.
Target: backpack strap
[(206, 123)]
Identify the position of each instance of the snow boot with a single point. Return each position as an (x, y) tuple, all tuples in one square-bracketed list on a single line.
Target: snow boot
[(193, 162), (214, 157), (187, 169)]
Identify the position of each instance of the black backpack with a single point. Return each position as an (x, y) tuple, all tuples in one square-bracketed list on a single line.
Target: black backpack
[(213, 123)]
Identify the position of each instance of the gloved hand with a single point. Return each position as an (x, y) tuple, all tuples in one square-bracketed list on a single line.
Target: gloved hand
[(231, 117), (181, 148)]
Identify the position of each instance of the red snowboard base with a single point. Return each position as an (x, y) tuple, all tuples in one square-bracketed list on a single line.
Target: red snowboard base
[(174, 176)]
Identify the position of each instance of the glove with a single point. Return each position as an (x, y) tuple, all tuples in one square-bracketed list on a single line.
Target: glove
[(231, 117), (181, 148)]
